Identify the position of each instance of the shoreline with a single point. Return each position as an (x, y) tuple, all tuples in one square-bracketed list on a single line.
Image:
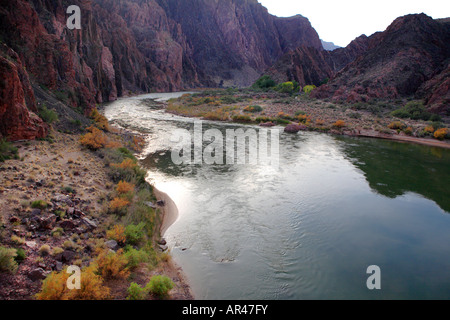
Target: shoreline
[(405, 139), (169, 215)]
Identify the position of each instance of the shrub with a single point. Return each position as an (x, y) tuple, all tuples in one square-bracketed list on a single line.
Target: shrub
[(408, 131), (124, 187), (159, 286), (136, 257), (21, 255), (441, 133), (265, 82), (287, 87), (253, 109), (119, 205), (218, 115), (415, 110), (117, 233), (100, 120), (57, 232), (17, 240), (282, 121), (396, 125), (429, 129), (48, 115), (136, 292), (94, 140), (134, 233), (308, 89), (339, 124), (128, 171), (54, 287), (44, 250), (7, 150), (112, 265), (39, 204), (242, 118), (127, 164), (7, 260)]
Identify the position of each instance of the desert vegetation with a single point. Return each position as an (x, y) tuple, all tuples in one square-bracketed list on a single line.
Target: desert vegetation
[(90, 207)]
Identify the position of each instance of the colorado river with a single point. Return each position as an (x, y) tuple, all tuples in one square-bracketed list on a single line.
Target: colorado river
[(310, 228)]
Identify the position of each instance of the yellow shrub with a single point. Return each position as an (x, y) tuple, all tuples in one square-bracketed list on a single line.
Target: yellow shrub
[(124, 187), (320, 122), (54, 287), (92, 287), (118, 204), (112, 265), (441, 133), (117, 233), (100, 120), (113, 144), (339, 124), (429, 129), (408, 131), (396, 125), (126, 164), (138, 143), (94, 140)]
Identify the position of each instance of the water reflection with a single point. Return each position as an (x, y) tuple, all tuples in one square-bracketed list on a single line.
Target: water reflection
[(393, 169)]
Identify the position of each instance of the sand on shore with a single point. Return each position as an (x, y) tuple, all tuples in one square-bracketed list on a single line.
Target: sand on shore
[(169, 216), (169, 210), (403, 138)]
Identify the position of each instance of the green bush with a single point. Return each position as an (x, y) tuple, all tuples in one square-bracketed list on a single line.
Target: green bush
[(136, 292), (253, 109), (135, 257), (8, 260), (415, 110), (282, 121), (135, 233), (309, 88), (21, 255), (39, 204), (265, 82), (287, 87), (48, 115), (7, 151), (159, 286)]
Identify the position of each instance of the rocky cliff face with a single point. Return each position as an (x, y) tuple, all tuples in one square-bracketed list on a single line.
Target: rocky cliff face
[(309, 65), (18, 119), (146, 45), (409, 58), (161, 45)]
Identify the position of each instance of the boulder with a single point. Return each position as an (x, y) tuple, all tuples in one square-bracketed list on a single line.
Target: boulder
[(294, 128), (37, 274)]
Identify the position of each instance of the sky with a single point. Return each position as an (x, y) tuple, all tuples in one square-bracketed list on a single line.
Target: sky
[(341, 21)]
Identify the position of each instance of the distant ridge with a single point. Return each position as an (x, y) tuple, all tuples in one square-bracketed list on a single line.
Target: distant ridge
[(329, 46)]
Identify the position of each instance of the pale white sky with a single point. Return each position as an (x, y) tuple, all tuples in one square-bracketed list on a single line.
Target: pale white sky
[(341, 21)]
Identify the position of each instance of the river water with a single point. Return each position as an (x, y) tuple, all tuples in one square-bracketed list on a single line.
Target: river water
[(310, 228)]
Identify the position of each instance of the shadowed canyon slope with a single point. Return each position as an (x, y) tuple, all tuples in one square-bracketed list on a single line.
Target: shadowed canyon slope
[(141, 46), (410, 59)]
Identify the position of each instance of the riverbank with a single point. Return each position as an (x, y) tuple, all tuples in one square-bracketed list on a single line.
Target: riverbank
[(374, 119), (56, 210)]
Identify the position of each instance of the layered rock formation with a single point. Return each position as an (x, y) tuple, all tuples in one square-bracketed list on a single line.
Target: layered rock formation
[(18, 119), (410, 58), (134, 46), (308, 65)]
